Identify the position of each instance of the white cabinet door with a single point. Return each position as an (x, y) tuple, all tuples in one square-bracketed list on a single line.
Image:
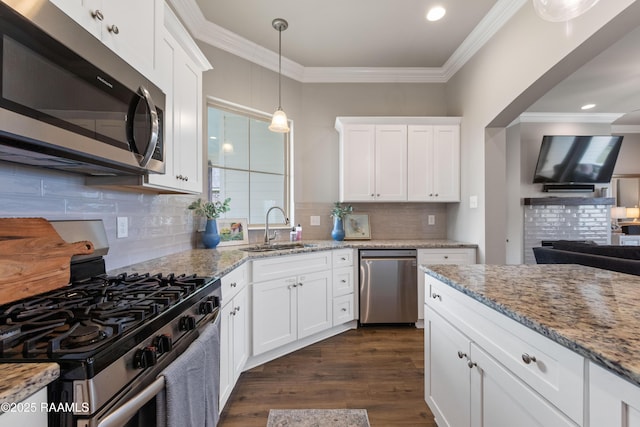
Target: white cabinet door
[(274, 314), (127, 27), (240, 332), (447, 387), (433, 163), (181, 81), (613, 401), (500, 399), (391, 163), (446, 163), (357, 169), (314, 300), (226, 334)]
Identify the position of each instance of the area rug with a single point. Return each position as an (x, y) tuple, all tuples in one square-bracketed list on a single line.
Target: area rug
[(318, 418)]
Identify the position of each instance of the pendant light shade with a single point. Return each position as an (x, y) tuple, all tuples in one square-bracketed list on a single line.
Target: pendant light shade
[(279, 122), (562, 10)]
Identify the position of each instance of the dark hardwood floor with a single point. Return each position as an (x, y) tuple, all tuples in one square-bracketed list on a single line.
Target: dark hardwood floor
[(379, 368)]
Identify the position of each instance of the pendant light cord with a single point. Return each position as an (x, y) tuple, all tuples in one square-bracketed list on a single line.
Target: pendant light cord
[(280, 68)]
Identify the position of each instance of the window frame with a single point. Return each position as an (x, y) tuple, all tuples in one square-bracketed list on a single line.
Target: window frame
[(255, 114)]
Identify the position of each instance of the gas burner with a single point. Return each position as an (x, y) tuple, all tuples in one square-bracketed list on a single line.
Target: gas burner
[(83, 334)]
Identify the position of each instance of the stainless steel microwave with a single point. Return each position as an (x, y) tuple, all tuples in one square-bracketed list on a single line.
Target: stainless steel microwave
[(67, 102)]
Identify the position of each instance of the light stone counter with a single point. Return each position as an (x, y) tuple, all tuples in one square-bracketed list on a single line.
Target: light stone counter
[(218, 262), (594, 312), (21, 380)]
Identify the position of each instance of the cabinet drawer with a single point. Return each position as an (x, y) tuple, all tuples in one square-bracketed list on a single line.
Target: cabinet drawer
[(233, 282), (447, 256), (343, 309), (290, 265), (343, 281), (553, 371), (342, 257)]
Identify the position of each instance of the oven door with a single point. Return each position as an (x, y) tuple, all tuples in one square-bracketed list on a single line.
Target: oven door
[(138, 407)]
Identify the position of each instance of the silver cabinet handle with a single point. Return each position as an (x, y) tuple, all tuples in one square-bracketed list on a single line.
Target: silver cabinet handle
[(237, 309), (446, 257), (113, 29), (300, 284), (436, 296), (344, 309), (97, 14), (471, 364), (462, 355), (528, 359), (233, 284)]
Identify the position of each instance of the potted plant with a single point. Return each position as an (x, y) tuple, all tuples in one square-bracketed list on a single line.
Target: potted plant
[(338, 212), (211, 211)]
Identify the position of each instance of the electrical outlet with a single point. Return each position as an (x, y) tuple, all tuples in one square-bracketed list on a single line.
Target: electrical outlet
[(314, 220), (122, 230), (431, 219)]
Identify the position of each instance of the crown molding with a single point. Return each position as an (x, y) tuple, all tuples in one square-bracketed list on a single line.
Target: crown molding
[(567, 118), (223, 39)]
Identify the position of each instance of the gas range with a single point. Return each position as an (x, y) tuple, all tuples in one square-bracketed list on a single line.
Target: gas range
[(112, 335)]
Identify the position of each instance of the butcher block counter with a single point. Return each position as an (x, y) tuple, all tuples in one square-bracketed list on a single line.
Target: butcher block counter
[(593, 312)]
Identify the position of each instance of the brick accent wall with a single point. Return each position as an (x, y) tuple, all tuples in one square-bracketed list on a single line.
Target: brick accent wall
[(564, 222)]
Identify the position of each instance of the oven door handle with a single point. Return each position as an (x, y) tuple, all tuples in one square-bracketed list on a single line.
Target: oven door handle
[(125, 412)]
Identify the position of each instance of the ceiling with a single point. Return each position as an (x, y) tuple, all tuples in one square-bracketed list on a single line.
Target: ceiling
[(391, 41)]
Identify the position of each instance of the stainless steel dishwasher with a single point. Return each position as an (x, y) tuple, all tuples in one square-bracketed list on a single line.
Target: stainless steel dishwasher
[(388, 286)]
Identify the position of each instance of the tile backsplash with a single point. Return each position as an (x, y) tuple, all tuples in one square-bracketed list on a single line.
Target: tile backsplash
[(158, 224)]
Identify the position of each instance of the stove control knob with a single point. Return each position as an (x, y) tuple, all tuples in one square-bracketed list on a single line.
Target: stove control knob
[(207, 307), (187, 323), (163, 343), (145, 357)]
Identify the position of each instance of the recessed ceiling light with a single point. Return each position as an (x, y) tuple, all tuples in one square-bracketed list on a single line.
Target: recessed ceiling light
[(436, 13), (587, 106)]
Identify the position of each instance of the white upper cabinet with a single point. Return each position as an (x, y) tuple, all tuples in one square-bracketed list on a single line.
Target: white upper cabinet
[(126, 27), (433, 163), (399, 159)]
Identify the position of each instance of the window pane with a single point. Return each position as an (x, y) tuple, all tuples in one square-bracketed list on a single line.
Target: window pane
[(266, 191), (234, 184), (247, 163), (267, 148), (228, 139)]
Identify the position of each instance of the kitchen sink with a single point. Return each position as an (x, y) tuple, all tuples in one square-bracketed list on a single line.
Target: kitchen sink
[(278, 247)]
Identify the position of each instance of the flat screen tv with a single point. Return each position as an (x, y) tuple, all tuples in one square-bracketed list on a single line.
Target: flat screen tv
[(571, 159)]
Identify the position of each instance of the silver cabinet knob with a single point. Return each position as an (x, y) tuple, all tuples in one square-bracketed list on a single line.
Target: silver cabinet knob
[(97, 14), (471, 364), (462, 355), (436, 296), (528, 359), (113, 29), (233, 284)]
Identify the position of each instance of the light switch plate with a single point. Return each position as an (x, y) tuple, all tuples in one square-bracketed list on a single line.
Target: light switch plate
[(473, 202), (314, 220), (122, 230), (431, 219)]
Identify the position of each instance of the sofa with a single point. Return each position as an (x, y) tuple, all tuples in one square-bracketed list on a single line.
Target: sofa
[(624, 259)]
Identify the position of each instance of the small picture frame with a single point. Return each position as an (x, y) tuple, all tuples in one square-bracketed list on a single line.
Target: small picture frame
[(356, 227), (233, 231)]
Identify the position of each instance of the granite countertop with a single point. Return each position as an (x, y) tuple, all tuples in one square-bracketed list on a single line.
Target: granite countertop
[(218, 262), (594, 312), (21, 380)]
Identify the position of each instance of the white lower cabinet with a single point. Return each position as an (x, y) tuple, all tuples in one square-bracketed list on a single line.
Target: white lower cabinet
[(28, 412), (344, 286), (234, 332), (440, 256), (613, 401), (483, 369), (288, 309)]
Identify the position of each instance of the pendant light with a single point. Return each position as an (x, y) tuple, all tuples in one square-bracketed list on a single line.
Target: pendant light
[(562, 10), (279, 122)]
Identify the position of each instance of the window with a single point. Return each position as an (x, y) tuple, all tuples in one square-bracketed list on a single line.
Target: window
[(247, 163)]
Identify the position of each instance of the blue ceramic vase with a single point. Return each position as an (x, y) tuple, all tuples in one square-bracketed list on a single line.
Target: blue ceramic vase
[(338, 229), (211, 237)]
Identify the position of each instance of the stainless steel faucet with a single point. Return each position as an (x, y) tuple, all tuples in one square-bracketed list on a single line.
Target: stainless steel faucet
[(267, 237)]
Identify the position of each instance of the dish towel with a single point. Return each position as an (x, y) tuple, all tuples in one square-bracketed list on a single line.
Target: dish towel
[(191, 394)]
